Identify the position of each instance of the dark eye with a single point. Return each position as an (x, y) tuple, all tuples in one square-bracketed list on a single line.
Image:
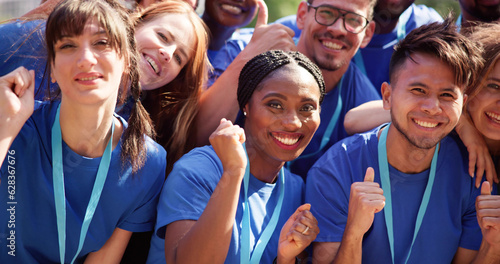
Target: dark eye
[(493, 86), (162, 36), (307, 108), (448, 95), (178, 59), (275, 105), (66, 45), (102, 42), (418, 90)]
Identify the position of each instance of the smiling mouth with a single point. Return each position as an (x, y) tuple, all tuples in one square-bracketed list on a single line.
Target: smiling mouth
[(494, 117), (231, 9), (425, 124), (287, 140), (152, 63), (88, 78), (331, 45)]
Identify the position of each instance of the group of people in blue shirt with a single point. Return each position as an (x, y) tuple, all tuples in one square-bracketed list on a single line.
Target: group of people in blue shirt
[(276, 178)]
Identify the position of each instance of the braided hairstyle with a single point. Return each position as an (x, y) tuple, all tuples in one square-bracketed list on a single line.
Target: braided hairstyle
[(260, 66)]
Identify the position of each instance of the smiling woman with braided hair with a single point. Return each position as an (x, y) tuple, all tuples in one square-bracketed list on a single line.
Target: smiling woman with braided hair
[(228, 202)]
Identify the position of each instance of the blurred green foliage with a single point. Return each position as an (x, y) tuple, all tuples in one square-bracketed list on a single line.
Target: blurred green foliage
[(443, 7)]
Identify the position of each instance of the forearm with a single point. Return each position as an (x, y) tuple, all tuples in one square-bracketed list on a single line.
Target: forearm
[(366, 117), (113, 249), (220, 100), (351, 248), (210, 236), (487, 254)]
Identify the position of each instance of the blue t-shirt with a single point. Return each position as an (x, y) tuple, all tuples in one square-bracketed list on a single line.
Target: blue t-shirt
[(356, 90), (27, 196), (22, 43), (189, 187), (450, 220), (377, 54)]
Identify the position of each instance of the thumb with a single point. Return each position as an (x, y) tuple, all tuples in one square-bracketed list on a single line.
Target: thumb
[(370, 175), (485, 188), (263, 14)]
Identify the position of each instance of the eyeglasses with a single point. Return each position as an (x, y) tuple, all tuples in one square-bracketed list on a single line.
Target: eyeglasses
[(328, 15)]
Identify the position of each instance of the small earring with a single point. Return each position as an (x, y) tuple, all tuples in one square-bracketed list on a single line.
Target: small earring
[(245, 113)]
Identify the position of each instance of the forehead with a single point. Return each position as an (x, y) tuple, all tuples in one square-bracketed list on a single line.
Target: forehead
[(178, 25), (291, 79), (427, 70), (356, 6)]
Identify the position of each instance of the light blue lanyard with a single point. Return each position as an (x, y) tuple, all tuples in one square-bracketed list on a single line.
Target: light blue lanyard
[(386, 187), (401, 33), (59, 193), (329, 129), (458, 23), (245, 225)]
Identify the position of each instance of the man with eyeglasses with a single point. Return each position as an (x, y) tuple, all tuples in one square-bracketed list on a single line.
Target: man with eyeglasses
[(393, 20), (332, 32)]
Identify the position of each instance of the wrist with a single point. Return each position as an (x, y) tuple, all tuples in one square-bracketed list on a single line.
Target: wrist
[(283, 261)]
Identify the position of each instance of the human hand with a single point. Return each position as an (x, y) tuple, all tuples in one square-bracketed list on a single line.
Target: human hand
[(488, 215), (366, 199), (227, 142), (16, 98), (297, 233), (268, 37), (479, 156)]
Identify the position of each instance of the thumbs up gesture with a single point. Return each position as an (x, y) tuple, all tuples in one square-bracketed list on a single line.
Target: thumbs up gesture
[(488, 215), (365, 200), (268, 37)]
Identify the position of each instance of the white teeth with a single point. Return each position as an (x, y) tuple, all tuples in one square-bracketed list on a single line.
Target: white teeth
[(88, 78), (287, 140), (426, 124), (493, 116), (152, 63), (332, 45), (232, 9)]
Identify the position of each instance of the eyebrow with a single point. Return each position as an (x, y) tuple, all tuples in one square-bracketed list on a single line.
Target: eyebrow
[(449, 89), (306, 99), (100, 32), (493, 79)]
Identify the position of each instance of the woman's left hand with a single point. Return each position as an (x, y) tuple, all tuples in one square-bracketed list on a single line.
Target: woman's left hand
[(297, 234)]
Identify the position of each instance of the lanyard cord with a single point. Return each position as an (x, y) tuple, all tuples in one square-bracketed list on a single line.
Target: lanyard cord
[(245, 225), (59, 192), (386, 187)]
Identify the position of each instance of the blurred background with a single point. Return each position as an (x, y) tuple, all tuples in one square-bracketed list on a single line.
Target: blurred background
[(277, 8)]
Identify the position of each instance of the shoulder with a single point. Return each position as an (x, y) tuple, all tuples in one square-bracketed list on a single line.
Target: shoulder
[(422, 14), (349, 149), (358, 83), (200, 165)]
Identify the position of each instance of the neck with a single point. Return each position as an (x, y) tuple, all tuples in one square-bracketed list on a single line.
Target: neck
[(263, 167), (404, 156), (385, 26), (493, 146), (332, 78), (219, 34), (87, 130)]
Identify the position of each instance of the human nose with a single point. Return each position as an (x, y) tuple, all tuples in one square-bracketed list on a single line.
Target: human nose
[(87, 58), (291, 121), (338, 24), (167, 52), (431, 106)]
